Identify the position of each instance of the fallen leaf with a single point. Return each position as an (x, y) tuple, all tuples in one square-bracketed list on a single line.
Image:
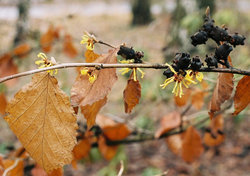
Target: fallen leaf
[(192, 146), (13, 167), (131, 94), (47, 39), (222, 91), (198, 99), (168, 122), (90, 56), (82, 149), (41, 117), (85, 93), (184, 98), (104, 121), (8, 67), (116, 132), (22, 50), (174, 143), (108, 152), (68, 47), (242, 95), (3, 103), (90, 111)]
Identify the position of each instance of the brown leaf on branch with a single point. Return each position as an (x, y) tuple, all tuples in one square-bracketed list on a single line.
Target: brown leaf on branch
[(82, 149), (131, 94), (168, 122), (8, 67), (111, 129), (242, 95), (38, 171), (47, 39), (41, 117), (90, 111), (184, 98), (22, 50), (68, 46), (108, 152), (192, 146), (215, 137), (222, 91), (3, 103), (174, 143), (90, 56)]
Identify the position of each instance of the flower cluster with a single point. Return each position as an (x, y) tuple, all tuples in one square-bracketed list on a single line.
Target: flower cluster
[(88, 39), (126, 70), (45, 62), (182, 77), (91, 76)]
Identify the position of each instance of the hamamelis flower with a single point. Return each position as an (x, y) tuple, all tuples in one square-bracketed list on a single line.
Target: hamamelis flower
[(92, 77), (126, 70), (198, 75), (179, 79), (45, 62), (88, 39)]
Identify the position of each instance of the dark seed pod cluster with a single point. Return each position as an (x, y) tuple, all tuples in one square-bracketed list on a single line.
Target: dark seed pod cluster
[(129, 53), (221, 36)]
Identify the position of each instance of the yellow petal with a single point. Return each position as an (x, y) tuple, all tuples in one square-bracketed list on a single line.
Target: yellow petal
[(42, 55), (199, 76), (171, 68), (92, 78), (175, 86), (84, 71), (124, 70), (142, 73), (134, 73), (38, 62), (167, 82)]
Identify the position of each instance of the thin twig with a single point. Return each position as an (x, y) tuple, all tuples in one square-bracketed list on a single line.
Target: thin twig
[(105, 66)]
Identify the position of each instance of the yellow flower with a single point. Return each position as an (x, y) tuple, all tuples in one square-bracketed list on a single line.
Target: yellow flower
[(179, 79), (126, 70), (45, 62), (88, 39), (92, 77)]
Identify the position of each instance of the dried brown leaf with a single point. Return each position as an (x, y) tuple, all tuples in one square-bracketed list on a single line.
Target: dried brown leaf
[(90, 56), (68, 47), (85, 93), (222, 92), (242, 95), (90, 111), (184, 98), (116, 132), (8, 67), (82, 149), (22, 50), (198, 99), (47, 39), (104, 121), (168, 122), (192, 146), (41, 117), (131, 95), (174, 143), (3, 103), (108, 152), (16, 167)]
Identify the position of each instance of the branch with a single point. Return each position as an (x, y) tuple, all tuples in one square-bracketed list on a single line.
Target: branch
[(104, 66)]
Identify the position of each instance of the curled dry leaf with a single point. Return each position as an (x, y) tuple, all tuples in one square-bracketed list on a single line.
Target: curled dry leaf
[(168, 122), (192, 146), (68, 47), (90, 56), (90, 111), (131, 94), (3, 103), (108, 152), (184, 98), (22, 50), (242, 95), (41, 117), (215, 137), (222, 91), (47, 39), (85, 93), (8, 67)]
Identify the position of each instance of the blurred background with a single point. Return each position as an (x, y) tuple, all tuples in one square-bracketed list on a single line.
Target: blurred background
[(159, 28)]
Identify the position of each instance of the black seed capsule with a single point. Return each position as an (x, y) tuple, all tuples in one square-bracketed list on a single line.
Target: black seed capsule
[(211, 61), (196, 63), (199, 38)]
